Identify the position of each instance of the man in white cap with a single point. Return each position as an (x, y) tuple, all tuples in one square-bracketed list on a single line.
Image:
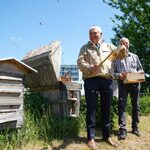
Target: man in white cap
[(97, 78)]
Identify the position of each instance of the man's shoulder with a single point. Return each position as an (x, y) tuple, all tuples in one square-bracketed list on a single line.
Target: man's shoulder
[(105, 44), (133, 54), (109, 45), (87, 45), (84, 46)]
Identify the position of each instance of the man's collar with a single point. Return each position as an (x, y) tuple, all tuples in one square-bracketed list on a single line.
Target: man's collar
[(128, 54), (91, 44)]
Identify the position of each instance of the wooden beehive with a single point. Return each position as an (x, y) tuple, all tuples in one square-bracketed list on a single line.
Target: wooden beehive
[(12, 72), (47, 60)]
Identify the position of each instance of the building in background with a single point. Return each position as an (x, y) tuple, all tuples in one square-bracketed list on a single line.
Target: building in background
[(71, 70)]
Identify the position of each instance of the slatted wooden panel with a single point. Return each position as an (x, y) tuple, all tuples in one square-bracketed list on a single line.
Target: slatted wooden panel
[(11, 102), (71, 97)]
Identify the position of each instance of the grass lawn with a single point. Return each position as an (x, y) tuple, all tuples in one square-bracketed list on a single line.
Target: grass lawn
[(132, 142)]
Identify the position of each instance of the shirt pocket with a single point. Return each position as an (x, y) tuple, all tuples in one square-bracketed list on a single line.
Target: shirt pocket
[(133, 64), (93, 57)]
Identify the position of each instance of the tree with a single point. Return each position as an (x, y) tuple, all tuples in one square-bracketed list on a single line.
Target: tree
[(133, 23)]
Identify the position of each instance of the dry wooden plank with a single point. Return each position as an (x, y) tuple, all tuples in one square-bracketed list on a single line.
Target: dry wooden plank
[(11, 74), (11, 125), (11, 82), (6, 117), (73, 115), (77, 109), (72, 86), (8, 110), (11, 85), (3, 107), (14, 65), (9, 95), (10, 78), (72, 99), (11, 101), (11, 68), (11, 98), (74, 106), (9, 90)]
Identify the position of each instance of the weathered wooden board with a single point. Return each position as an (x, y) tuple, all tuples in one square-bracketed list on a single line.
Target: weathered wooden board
[(72, 86), (11, 116), (7, 107), (9, 90), (7, 110), (11, 101), (47, 64), (8, 78), (12, 65), (73, 98), (11, 124)]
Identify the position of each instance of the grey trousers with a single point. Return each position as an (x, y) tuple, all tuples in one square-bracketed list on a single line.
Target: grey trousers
[(134, 91)]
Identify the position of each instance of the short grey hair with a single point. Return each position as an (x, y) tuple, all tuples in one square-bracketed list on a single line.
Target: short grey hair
[(94, 27), (124, 39)]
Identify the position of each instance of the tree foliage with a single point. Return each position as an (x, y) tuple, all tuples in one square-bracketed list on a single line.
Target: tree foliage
[(133, 23)]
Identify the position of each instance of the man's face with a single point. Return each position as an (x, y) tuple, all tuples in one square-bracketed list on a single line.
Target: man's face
[(95, 36), (125, 43)]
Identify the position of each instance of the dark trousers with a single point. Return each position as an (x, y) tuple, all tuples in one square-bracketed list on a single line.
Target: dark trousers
[(134, 91), (93, 88)]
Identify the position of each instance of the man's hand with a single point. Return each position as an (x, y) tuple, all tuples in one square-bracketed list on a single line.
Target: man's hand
[(123, 48), (122, 53), (94, 68), (123, 75)]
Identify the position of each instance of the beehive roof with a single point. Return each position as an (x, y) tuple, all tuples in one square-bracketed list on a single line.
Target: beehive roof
[(22, 66)]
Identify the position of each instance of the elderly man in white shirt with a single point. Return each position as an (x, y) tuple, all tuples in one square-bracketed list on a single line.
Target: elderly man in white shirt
[(97, 78)]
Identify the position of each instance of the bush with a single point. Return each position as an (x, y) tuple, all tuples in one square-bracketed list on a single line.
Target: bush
[(144, 105)]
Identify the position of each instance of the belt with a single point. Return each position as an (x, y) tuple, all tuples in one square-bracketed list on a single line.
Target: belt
[(106, 76)]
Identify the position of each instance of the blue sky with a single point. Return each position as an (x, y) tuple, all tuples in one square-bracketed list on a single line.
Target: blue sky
[(29, 24)]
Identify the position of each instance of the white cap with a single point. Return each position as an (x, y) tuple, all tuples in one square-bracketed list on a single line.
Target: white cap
[(97, 28)]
